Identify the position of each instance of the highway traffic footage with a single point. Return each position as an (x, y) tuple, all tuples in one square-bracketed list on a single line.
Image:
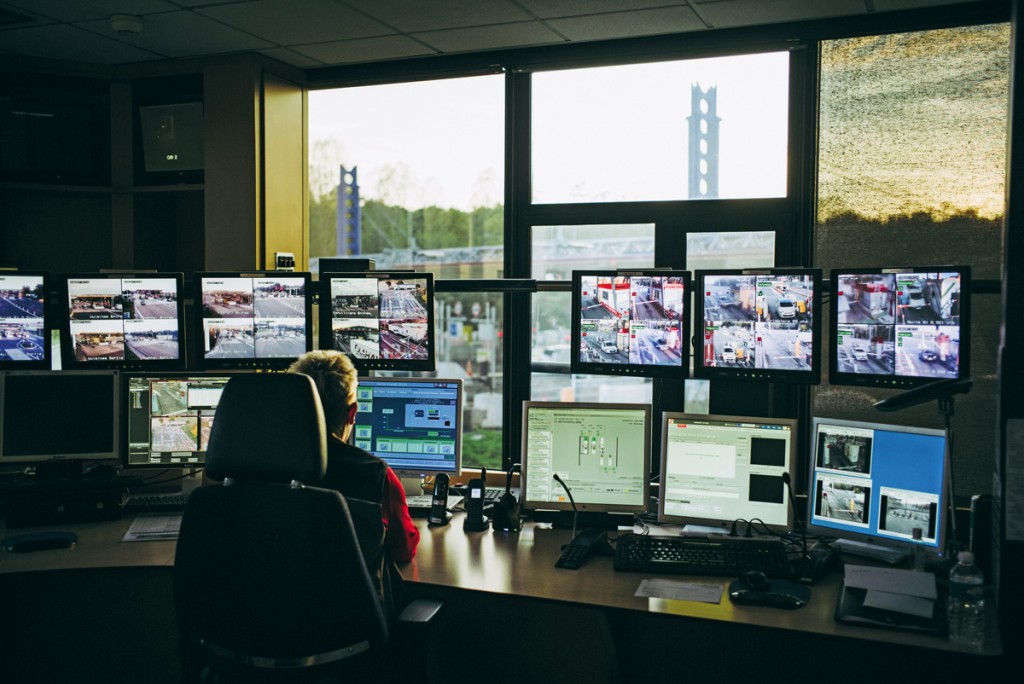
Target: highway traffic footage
[(22, 300), (380, 319), (245, 318)]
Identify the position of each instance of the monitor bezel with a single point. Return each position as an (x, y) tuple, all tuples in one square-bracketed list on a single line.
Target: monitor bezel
[(113, 455), (126, 379), (46, 363), (726, 525), (811, 376), (675, 372), (893, 381), (252, 363), (867, 537), (460, 403), (67, 345), (584, 507), (326, 336)]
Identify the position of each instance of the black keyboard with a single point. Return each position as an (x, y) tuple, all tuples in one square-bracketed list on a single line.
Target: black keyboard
[(726, 557), (155, 503)]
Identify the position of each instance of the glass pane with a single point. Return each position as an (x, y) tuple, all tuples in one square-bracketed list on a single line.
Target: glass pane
[(603, 388), (552, 325), (557, 250), (693, 129), (741, 249), (410, 174)]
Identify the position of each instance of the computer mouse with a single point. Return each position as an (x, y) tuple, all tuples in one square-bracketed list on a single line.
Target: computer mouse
[(756, 580)]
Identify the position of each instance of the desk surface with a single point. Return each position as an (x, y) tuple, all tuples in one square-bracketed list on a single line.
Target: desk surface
[(516, 564)]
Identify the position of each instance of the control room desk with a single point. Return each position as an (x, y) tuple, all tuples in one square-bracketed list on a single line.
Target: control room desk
[(501, 591)]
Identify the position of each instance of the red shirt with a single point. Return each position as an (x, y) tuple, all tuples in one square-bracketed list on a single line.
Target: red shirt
[(402, 536)]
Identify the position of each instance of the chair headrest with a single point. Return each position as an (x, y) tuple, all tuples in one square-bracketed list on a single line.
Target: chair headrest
[(269, 427)]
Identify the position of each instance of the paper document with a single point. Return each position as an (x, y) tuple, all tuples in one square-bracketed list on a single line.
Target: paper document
[(891, 580), (153, 527), (680, 591)]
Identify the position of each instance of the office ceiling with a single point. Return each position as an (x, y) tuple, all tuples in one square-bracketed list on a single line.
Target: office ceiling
[(313, 33)]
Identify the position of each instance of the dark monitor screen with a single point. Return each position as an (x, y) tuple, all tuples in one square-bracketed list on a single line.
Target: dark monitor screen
[(46, 415), (381, 320), (172, 136), (122, 320), (602, 452), (414, 424), (168, 418), (900, 327), (758, 325), (24, 327), (631, 323), (252, 320), (875, 483), (718, 469)]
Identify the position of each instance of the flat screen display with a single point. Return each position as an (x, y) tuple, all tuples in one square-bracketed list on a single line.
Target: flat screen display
[(414, 424), (758, 325), (900, 327), (875, 483), (253, 320), (382, 321), (719, 469), (631, 323), (168, 418), (24, 327), (124, 321), (602, 452)]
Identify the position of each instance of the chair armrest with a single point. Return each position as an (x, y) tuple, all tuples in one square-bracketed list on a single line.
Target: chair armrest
[(420, 612)]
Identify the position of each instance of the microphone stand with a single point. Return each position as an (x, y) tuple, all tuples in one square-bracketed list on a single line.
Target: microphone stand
[(571, 501)]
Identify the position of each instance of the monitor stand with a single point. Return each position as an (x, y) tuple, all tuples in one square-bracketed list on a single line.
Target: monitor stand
[(413, 486), (886, 554)]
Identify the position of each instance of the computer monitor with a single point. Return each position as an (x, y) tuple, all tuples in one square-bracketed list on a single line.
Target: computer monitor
[(122, 321), (900, 327), (59, 415), (168, 418), (414, 424), (758, 324), (381, 320), (719, 469), (24, 326), (251, 320), (875, 483), (631, 323), (602, 452)]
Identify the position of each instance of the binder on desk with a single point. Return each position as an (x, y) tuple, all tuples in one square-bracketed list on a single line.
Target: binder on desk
[(850, 609)]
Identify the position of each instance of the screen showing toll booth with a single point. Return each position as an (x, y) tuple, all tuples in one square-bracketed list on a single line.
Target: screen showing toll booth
[(382, 321), (899, 327), (253, 320), (123, 321), (24, 329), (631, 323), (759, 325)]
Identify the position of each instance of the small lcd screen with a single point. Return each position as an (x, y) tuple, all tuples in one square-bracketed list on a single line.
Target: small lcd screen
[(24, 336)]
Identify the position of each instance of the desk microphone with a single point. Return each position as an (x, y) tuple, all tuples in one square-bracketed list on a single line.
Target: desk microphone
[(571, 501), (796, 513)]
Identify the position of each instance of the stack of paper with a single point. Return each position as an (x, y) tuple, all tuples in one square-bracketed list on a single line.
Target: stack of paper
[(900, 591)]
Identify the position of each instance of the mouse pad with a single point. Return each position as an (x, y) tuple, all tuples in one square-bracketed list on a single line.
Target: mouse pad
[(779, 594)]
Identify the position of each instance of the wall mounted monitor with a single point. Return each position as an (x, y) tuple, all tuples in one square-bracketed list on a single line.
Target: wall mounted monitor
[(381, 320), (631, 323), (900, 327), (57, 415), (718, 469), (875, 483), (251, 320), (414, 424), (122, 320), (24, 326), (759, 324), (602, 452), (172, 137), (168, 418)]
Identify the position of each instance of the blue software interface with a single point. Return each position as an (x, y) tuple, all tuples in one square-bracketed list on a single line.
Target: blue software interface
[(412, 423)]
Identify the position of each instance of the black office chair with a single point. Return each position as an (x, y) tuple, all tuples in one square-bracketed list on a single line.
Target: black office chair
[(269, 580)]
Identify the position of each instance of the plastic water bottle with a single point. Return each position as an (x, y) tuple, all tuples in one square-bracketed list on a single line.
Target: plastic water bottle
[(966, 606)]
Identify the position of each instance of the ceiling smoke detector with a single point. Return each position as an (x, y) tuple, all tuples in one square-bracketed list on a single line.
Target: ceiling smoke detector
[(126, 24)]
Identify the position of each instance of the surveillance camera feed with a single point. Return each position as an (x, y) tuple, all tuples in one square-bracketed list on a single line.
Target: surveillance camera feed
[(382, 321), (899, 328), (23, 336), (253, 320), (631, 322), (759, 325), (124, 320)]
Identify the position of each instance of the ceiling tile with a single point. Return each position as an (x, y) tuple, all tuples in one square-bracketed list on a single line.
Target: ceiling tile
[(291, 57), (618, 24), (893, 5), (727, 13), (427, 16), (290, 22), (491, 37), (87, 10), (365, 50), (72, 44), (185, 34), (548, 9)]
